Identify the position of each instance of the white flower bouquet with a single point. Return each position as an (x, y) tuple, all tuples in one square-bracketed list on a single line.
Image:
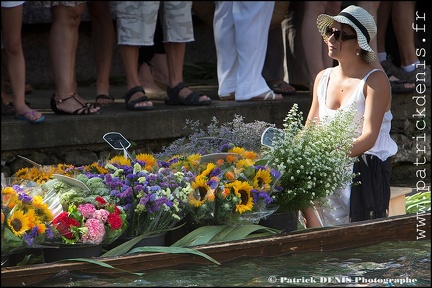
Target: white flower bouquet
[(312, 158)]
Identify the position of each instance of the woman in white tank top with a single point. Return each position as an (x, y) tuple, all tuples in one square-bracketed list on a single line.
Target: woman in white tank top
[(354, 81)]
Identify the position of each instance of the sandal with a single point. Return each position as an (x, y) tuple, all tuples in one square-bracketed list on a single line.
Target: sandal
[(84, 110), (110, 99), (282, 87), (130, 104), (193, 99)]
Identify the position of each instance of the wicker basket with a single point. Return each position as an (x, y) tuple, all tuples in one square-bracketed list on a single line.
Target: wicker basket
[(204, 10)]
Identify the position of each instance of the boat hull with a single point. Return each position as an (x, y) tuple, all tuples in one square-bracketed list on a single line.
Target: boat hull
[(409, 227)]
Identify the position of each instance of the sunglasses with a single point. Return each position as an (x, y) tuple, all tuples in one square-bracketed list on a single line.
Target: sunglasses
[(339, 34)]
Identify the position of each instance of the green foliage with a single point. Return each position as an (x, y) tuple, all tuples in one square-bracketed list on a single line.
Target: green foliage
[(419, 202)]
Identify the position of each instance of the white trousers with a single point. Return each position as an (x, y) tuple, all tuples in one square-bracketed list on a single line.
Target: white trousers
[(241, 34)]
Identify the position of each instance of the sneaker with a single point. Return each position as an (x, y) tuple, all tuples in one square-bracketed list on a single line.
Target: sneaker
[(419, 75)]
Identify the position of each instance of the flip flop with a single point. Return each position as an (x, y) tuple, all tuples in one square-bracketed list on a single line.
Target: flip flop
[(32, 119)]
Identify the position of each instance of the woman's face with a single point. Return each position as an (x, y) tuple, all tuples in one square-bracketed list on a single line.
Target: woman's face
[(341, 41)]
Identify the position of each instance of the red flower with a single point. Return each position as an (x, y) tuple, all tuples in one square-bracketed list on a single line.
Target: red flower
[(117, 210), (63, 223), (100, 200), (114, 221)]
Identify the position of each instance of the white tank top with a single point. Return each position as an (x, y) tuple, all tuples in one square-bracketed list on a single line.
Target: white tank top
[(384, 146)]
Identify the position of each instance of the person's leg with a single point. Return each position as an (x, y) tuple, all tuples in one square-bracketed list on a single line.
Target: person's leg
[(315, 51), (133, 32), (402, 19), (178, 29), (273, 70), (63, 41), (11, 21), (226, 52), (251, 22), (154, 66), (159, 68), (372, 8), (103, 38)]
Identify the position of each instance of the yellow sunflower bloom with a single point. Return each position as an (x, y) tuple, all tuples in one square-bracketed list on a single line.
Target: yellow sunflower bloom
[(243, 190), (210, 167), (120, 160), (245, 163), (262, 180), (238, 150), (200, 192), (18, 223)]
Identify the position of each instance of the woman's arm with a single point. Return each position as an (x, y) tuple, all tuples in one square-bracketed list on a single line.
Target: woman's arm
[(377, 102)]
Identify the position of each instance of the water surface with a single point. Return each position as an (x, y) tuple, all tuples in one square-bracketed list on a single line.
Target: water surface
[(371, 266)]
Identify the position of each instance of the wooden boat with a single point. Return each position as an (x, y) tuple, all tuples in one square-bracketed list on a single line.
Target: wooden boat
[(410, 227)]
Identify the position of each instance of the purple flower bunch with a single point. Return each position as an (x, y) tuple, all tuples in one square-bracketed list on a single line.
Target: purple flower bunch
[(153, 200)]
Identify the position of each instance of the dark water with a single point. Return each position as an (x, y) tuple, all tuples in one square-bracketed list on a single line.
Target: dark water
[(370, 266)]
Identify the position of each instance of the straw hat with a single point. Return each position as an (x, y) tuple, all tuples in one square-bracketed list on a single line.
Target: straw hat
[(204, 10), (360, 20)]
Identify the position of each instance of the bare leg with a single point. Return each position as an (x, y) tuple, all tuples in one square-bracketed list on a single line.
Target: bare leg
[(372, 8), (103, 45), (315, 50), (402, 18), (11, 20), (160, 68), (63, 42), (175, 57), (147, 80), (129, 56)]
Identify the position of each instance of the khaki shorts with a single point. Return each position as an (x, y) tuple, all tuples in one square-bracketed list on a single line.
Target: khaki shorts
[(136, 21)]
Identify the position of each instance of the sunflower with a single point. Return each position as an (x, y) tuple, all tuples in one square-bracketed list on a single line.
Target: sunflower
[(95, 168), (238, 150), (201, 192), (41, 209), (262, 180), (18, 223), (209, 168), (242, 189), (120, 160), (243, 163)]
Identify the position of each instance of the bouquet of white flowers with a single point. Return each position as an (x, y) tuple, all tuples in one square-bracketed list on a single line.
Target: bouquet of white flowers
[(312, 158)]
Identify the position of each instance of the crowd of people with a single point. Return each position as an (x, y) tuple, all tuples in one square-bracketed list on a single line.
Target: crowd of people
[(345, 60), (152, 38)]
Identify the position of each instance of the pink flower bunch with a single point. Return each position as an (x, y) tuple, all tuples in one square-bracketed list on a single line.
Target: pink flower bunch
[(90, 223)]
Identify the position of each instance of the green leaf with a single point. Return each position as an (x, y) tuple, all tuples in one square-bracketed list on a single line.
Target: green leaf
[(174, 250), (100, 263), (201, 235), (244, 231), (122, 249), (222, 234)]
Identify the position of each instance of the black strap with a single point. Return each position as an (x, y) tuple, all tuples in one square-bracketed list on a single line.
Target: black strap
[(358, 24)]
